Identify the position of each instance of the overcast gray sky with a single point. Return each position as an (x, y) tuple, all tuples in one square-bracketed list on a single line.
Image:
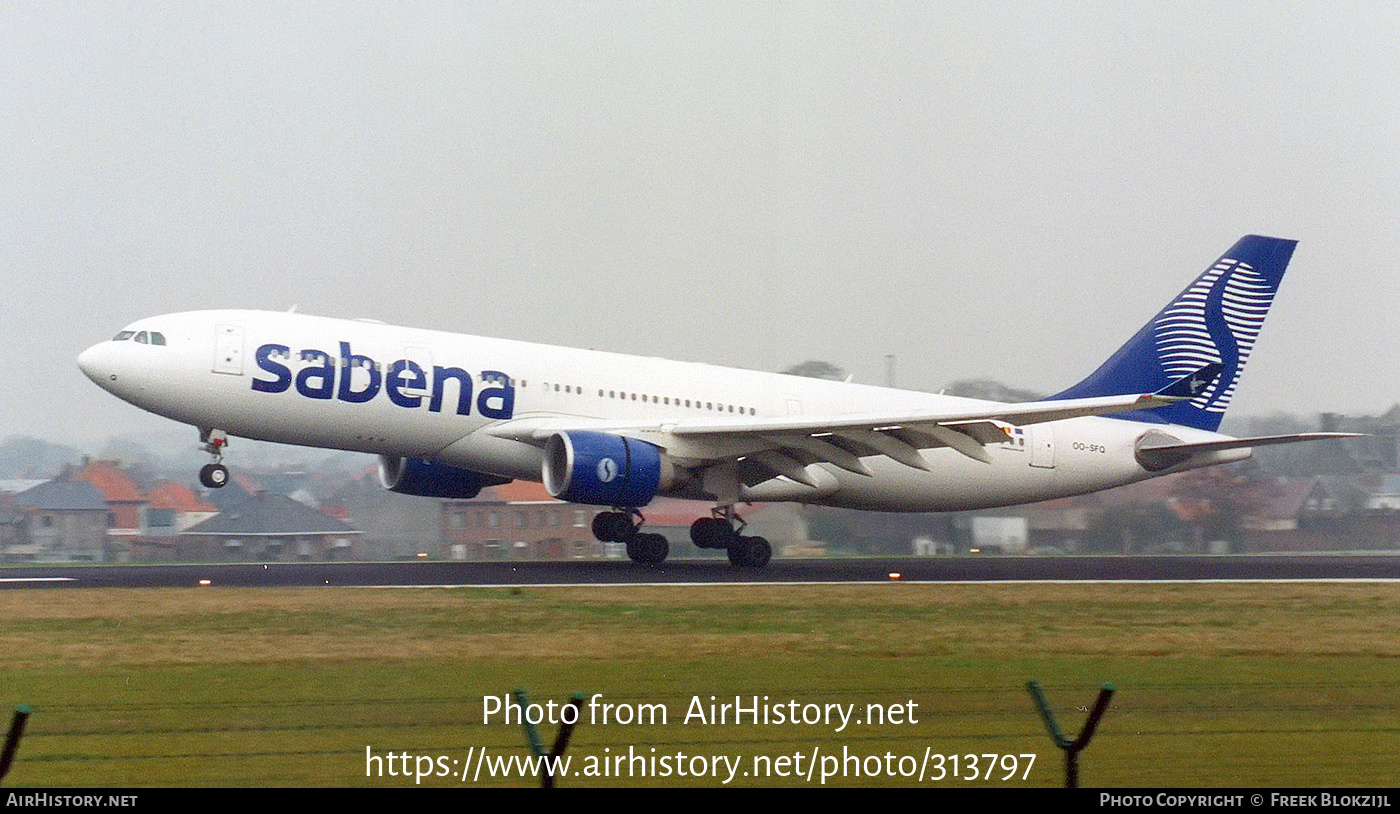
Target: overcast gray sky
[(983, 189)]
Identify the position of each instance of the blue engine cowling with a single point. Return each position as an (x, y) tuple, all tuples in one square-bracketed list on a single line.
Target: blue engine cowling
[(604, 469), (415, 476)]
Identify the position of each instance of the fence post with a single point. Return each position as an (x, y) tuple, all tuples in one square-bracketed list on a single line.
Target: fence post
[(12, 740), (1072, 747), (561, 741)]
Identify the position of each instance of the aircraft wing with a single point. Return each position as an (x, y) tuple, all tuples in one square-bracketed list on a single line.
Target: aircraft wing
[(763, 448)]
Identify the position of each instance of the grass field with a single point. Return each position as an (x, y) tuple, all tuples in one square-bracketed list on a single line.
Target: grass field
[(1217, 684)]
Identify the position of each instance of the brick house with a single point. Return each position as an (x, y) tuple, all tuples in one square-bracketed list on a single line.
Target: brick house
[(63, 521), (269, 527)]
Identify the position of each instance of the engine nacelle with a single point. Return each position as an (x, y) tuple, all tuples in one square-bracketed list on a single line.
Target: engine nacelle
[(604, 469), (415, 476)]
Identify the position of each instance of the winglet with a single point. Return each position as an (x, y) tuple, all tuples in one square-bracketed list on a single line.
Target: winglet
[(1192, 384)]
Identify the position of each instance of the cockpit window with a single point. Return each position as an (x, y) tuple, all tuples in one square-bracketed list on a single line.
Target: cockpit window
[(144, 337)]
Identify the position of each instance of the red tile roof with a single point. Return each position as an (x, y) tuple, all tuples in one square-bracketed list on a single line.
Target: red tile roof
[(171, 495), (115, 485), (517, 491)]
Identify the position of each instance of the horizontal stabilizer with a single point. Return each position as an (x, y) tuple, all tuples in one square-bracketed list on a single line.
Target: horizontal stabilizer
[(1157, 455)]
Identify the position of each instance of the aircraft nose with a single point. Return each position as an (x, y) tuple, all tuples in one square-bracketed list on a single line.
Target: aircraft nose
[(96, 365)]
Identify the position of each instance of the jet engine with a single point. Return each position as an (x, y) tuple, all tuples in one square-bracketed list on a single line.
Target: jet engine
[(415, 476), (603, 469)]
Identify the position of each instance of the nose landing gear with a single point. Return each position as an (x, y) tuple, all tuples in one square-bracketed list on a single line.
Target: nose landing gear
[(214, 475)]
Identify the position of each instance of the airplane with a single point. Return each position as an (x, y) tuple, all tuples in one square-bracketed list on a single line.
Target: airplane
[(450, 414)]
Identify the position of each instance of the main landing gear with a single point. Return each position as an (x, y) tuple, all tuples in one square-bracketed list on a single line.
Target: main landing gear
[(624, 526), (723, 531), (214, 475)]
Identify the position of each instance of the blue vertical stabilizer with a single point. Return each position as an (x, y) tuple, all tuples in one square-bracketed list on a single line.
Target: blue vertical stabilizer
[(1216, 320)]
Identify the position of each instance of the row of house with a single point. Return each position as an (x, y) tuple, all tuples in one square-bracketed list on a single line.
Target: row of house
[(100, 513), (96, 513), (1225, 510)]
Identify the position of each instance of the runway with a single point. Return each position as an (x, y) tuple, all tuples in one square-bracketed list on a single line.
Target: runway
[(1314, 567)]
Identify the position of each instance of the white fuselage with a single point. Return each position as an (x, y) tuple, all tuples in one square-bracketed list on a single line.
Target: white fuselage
[(396, 391)]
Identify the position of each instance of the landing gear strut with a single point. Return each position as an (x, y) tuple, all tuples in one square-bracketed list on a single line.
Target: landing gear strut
[(724, 531), (214, 475), (624, 526)]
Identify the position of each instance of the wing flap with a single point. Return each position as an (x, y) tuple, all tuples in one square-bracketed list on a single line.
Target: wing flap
[(886, 443), (780, 464), (823, 450)]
